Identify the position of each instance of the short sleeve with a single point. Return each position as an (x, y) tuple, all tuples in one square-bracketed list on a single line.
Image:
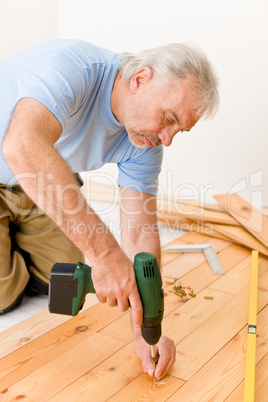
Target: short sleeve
[(55, 80), (141, 171)]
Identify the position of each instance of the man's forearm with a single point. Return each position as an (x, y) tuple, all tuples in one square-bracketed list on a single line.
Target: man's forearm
[(139, 228), (150, 244), (50, 184)]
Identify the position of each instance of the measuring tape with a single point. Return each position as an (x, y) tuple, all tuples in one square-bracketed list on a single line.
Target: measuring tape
[(249, 389)]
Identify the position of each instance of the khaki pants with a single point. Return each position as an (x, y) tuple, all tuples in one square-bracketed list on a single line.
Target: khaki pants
[(25, 228)]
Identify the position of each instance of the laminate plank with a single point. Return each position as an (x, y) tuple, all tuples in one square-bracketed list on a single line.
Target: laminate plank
[(33, 327), (226, 369), (216, 331), (193, 313), (241, 236), (144, 389), (52, 377), (190, 314), (187, 225), (232, 281), (187, 318), (261, 389), (202, 276), (195, 213), (200, 279), (212, 206), (112, 376), (251, 218), (40, 351)]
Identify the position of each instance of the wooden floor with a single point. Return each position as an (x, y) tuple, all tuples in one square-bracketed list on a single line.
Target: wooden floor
[(91, 357)]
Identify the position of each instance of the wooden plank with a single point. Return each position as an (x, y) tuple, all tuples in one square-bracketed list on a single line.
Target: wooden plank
[(251, 218), (112, 376), (202, 276), (194, 312), (200, 279), (195, 213), (216, 331), (192, 315), (225, 371), (231, 282), (32, 328), (261, 391), (240, 277), (190, 226), (241, 236), (99, 189), (52, 377), (53, 343), (235, 234), (212, 206), (142, 389), (167, 202)]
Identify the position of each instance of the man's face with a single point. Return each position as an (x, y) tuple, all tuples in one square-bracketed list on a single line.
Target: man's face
[(155, 113)]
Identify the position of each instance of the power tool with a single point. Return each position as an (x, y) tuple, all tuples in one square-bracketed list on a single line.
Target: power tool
[(69, 284)]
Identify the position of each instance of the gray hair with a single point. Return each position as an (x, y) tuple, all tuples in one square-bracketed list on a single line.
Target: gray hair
[(180, 61)]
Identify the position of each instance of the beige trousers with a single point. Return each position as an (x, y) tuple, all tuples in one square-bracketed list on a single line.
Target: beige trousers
[(34, 233)]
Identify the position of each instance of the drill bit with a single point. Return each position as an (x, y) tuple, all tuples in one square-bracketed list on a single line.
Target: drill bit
[(153, 354)]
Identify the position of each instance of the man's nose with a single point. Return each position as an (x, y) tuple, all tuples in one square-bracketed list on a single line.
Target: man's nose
[(166, 136)]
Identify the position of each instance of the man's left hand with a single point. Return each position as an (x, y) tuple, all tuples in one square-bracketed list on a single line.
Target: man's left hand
[(165, 351)]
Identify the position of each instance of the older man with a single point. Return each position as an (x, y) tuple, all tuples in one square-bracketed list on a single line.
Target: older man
[(68, 106)]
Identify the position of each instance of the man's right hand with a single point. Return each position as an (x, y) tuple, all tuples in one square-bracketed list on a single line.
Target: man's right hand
[(115, 283)]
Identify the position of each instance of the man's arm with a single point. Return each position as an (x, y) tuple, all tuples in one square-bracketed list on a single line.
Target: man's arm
[(139, 229), (139, 232), (43, 174)]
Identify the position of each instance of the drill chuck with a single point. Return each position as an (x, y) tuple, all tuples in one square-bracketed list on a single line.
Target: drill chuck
[(151, 335)]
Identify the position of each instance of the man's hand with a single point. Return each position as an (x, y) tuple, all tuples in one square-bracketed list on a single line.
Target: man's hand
[(166, 353), (115, 283)]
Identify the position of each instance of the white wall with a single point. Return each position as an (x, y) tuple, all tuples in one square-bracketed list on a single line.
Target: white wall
[(24, 23), (219, 155)]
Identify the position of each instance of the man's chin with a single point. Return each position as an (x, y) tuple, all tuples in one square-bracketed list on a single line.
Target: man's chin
[(137, 141)]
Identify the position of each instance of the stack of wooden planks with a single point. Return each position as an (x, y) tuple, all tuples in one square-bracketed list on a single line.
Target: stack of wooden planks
[(232, 219)]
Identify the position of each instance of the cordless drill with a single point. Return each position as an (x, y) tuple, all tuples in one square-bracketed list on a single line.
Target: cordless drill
[(69, 284)]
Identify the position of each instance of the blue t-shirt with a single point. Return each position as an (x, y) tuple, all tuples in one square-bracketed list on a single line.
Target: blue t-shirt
[(74, 80)]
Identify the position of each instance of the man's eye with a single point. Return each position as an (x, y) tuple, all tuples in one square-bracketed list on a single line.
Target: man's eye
[(169, 121)]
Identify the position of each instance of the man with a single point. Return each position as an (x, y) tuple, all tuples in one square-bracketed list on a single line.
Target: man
[(68, 106)]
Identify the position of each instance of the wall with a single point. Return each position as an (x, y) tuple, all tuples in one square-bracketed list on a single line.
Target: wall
[(229, 152), (24, 23), (222, 155)]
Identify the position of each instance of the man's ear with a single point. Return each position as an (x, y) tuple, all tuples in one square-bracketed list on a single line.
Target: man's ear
[(141, 77)]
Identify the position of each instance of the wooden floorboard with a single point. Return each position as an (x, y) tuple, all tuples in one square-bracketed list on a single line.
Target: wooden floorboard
[(92, 356)]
